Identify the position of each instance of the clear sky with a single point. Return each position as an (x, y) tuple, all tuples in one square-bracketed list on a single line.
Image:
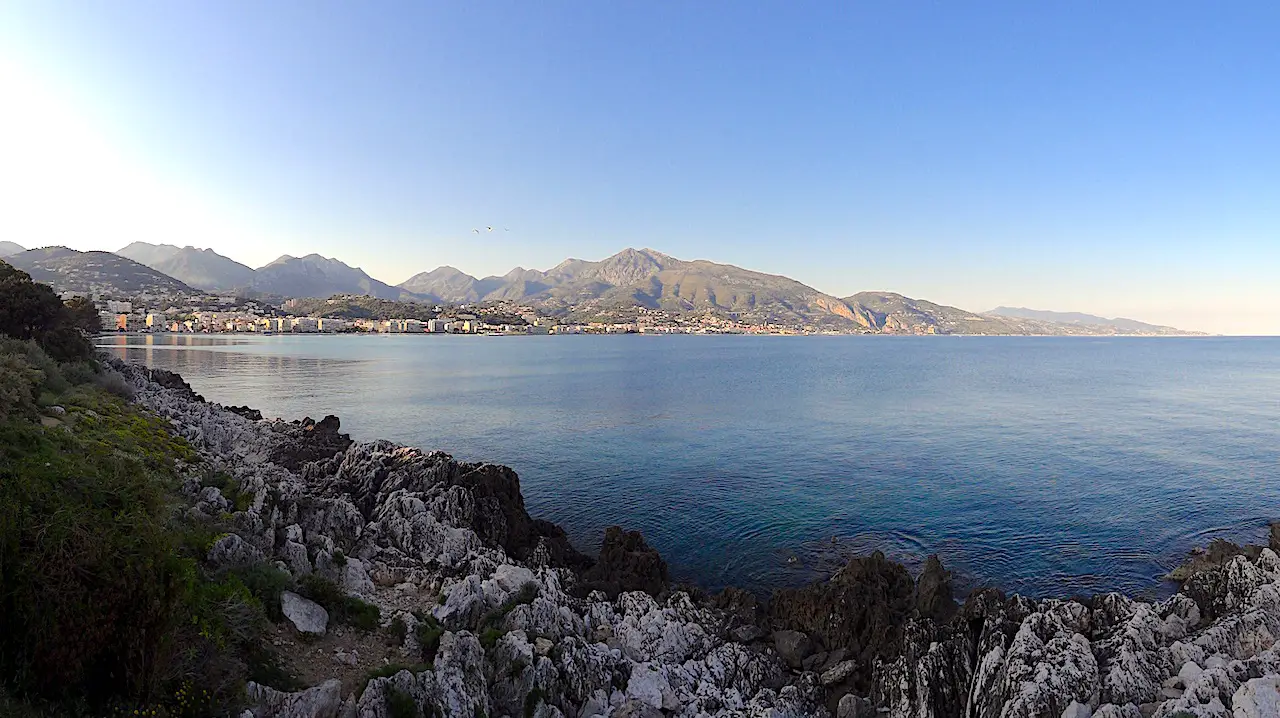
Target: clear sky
[(1115, 158)]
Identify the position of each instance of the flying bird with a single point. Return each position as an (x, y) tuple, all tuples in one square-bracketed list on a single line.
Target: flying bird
[(488, 229), (475, 231)]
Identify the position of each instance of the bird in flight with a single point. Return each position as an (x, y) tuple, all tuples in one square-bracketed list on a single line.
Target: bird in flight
[(488, 229), (475, 231)]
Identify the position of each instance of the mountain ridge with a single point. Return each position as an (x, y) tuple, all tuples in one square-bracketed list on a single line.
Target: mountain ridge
[(69, 270), (621, 285), (1080, 318), (315, 276), (199, 268)]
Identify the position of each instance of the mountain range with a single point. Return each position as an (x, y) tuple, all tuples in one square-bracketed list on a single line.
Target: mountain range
[(68, 270), (577, 289), (1090, 320), (8, 249), (199, 268)]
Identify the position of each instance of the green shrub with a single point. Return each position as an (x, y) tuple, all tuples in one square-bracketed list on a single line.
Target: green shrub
[(19, 387), (102, 600), (428, 632), (532, 700), (489, 637), (266, 582), (77, 373), (339, 558), (342, 608), (400, 704), (113, 382), (398, 630), (30, 310)]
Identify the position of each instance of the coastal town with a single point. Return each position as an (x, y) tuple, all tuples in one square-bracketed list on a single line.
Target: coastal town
[(217, 314)]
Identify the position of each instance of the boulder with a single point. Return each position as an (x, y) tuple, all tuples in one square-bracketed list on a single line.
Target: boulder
[(852, 706), (231, 551), (322, 701), (1257, 698), (306, 615), (839, 673), (793, 647)]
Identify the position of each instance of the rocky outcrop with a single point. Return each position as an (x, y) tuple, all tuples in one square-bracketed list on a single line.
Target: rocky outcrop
[(307, 441), (430, 539), (626, 563)]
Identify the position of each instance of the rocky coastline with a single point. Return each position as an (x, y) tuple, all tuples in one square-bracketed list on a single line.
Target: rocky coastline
[(492, 612)]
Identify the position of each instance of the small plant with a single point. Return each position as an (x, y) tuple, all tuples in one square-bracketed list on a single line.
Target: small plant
[(342, 608), (398, 630), (489, 637), (266, 583), (534, 698), (428, 632), (400, 704), (339, 558)]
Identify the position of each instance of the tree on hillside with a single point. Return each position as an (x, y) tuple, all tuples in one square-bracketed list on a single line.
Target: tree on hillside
[(29, 310), (83, 314)]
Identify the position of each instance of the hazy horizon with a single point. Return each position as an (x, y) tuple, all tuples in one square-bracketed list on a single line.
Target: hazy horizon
[(1117, 161)]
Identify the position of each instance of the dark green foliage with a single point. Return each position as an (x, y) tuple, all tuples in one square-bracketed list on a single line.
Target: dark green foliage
[(20, 387), (82, 315), (428, 632), (101, 599), (29, 310), (534, 698), (489, 637), (266, 582), (264, 668), (339, 558), (490, 625), (229, 487), (398, 630), (400, 704), (342, 608)]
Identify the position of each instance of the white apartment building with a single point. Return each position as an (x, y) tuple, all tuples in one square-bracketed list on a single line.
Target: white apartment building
[(329, 324)]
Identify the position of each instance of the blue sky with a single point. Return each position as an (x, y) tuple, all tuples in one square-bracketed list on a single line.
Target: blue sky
[(1116, 158)]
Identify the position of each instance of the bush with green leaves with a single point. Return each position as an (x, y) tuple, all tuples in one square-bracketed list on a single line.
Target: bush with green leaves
[(343, 609), (103, 601)]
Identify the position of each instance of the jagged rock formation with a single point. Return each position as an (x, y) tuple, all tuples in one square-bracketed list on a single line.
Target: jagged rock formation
[(530, 626)]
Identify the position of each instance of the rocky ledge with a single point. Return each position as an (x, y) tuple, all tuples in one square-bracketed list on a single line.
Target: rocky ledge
[(498, 615)]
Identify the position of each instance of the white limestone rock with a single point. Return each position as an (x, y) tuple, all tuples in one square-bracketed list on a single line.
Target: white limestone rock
[(306, 615)]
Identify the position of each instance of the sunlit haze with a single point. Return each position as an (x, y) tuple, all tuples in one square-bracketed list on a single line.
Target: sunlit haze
[(1117, 159)]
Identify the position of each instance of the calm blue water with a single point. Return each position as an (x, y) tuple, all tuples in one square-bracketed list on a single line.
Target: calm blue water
[(1043, 465)]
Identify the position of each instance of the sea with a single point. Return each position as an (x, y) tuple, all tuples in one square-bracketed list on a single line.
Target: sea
[(1048, 466)]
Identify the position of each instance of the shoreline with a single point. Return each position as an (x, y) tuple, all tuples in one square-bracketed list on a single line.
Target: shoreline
[(694, 334), (869, 638)]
